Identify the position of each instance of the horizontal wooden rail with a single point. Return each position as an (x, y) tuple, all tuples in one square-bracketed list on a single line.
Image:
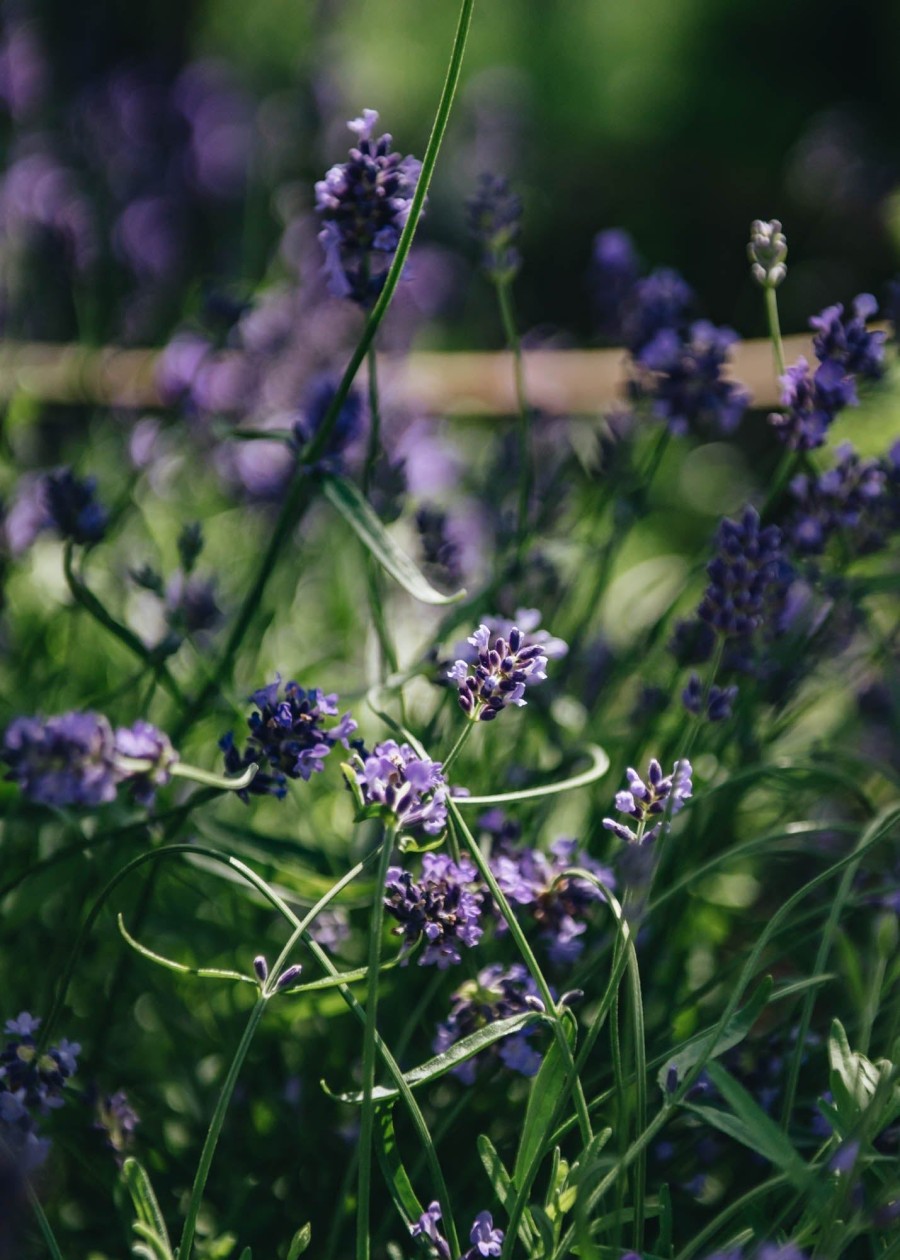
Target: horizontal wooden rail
[(465, 383)]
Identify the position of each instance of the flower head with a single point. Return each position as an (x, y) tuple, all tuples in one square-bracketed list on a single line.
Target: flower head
[(64, 760), (347, 428), (812, 400), (660, 796), (290, 736), (613, 273), (143, 742), (504, 665), (683, 376), (496, 993), (767, 252), (410, 789), (363, 204), (73, 507), (743, 573), (659, 301), (495, 220), (850, 499), (31, 1085), (444, 906), (558, 903), (844, 339)]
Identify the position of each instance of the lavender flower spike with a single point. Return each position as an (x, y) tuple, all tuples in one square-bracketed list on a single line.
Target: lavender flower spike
[(411, 790), (64, 760), (503, 669), (442, 907), (767, 252), (642, 801)]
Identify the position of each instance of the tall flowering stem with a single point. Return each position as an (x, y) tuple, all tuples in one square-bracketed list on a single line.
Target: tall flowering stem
[(299, 494), (367, 1120), (515, 931)]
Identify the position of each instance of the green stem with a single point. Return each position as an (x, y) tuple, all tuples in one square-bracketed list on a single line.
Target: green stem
[(45, 1227), (215, 1128), (299, 494), (91, 604), (515, 931), (374, 422), (526, 462), (367, 1120), (460, 744), (775, 329)]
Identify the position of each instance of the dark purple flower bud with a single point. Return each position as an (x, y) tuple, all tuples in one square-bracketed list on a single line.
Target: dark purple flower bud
[(495, 220), (444, 907), (719, 701), (73, 507), (288, 977), (346, 430), (261, 967), (363, 204), (614, 271), (747, 574)]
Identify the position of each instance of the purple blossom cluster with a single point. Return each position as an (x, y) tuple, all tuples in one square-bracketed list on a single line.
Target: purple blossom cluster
[(495, 221), (363, 204), (846, 350), (661, 796), (852, 499), (496, 993), (485, 1240), (31, 1085), (77, 759), (410, 790), (746, 571), (504, 666), (291, 734), (558, 903), (443, 906), (72, 507)]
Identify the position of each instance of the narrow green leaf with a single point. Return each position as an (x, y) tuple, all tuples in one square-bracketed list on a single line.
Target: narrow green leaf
[(459, 1052), (599, 767), (545, 1229), (546, 1091), (204, 973), (664, 1244), (152, 1244), (753, 1127), (392, 1168), (138, 1184), (300, 1242), (348, 500), (503, 1188), (707, 1045)]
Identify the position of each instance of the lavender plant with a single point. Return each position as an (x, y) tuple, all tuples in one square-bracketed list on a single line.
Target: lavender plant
[(482, 1016)]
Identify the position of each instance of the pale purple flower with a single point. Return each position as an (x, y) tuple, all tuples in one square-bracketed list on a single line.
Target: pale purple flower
[(443, 906), (411, 790), (661, 795)]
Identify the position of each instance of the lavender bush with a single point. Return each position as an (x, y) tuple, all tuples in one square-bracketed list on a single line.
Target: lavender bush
[(420, 841)]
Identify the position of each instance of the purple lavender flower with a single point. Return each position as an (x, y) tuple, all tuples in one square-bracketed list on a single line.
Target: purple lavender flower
[(683, 377), (613, 273), (486, 1240), (410, 789), (718, 703), (191, 605), (504, 667), (65, 760), (444, 906), (849, 499), (558, 904), (812, 402), (143, 742), (660, 795), (847, 341), (497, 993), (73, 507), (117, 1119), (659, 301), (495, 220), (745, 570), (364, 204), (347, 428), (31, 1085), (427, 1227), (440, 552), (289, 738)]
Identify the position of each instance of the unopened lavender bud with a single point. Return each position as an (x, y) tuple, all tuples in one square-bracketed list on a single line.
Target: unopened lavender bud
[(535, 1003), (288, 976), (671, 1079), (570, 998), (767, 251), (261, 967)]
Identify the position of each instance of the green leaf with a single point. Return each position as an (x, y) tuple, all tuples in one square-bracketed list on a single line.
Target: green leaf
[(503, 1187), (597, 770), (545, 1229), (246, 1254), (348, 500), (395, 1174), (664, 1244), (300, 1242), (853, 1077), (458, 1053), (707, 1046), (546, 1092), (150, 1224), (751, 1126)]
